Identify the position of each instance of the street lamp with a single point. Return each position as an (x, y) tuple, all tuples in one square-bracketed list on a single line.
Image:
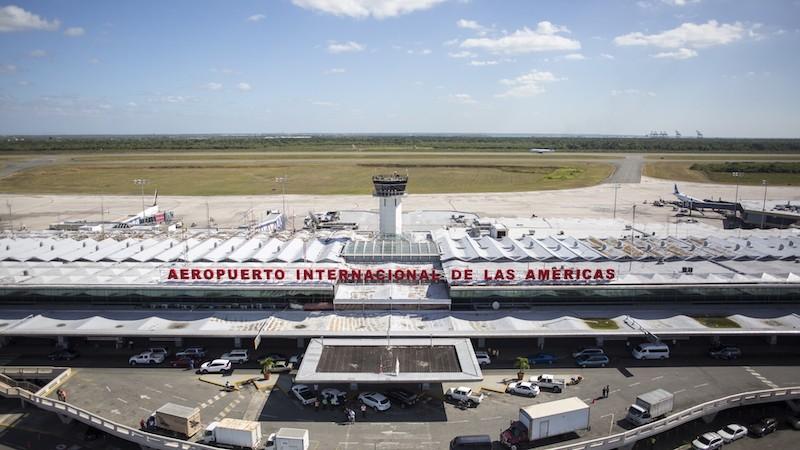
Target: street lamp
[(282, 180), (141, 182), (736, 175), (764, 205), (616, 188)]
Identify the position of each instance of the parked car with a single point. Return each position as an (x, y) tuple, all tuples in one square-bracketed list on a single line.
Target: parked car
[(63, 354), (280, 367), (146, 358), (725, 353), (525, 388), (541, 358), (216, 366), (589, 352), (651, 350), (763, 427), (708, 441), (192, 352), (592, 361), (162, 350), (184, 362), (238, 356), (374, 400), (334, 396), (276, 357), (402, 396), (473, 442), (304, 394), (296, 359), (463, 395), (794, 422), (732, 432), (483, 358)]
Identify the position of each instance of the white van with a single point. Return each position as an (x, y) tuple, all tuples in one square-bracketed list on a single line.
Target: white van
[(651, 351)]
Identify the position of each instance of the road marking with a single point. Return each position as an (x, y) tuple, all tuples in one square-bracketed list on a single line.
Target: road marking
[(615, 391), (145, 410), (167, 385), (180, 398), (115, 411), (760, 377), (459, 421), (153, 390), (611, 426), (491, 418), (108, 389), (216, 397), (657, 378), (635, 384), (701, 385), (144, 397), (122, 400), (204, 405), (679, 391)]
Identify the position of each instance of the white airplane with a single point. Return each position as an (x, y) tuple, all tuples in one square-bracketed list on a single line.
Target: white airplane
[(686, 199), (541, 150)]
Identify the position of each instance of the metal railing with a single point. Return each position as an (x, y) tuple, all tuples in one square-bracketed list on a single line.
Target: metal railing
[(712, 407), (130, 434)]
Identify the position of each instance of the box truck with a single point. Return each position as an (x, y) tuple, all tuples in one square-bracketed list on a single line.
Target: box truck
[(289, 439), (233, 433), (176, 419), (545, 420), (650, 406)]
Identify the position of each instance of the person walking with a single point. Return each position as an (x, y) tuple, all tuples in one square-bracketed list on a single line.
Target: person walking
[(316, 405), (608, 389), (363, 411), (352, 416)]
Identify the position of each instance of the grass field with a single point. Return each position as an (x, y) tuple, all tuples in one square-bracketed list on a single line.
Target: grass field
[(601, 324), (682, 171), (173, 175), (717, 322)]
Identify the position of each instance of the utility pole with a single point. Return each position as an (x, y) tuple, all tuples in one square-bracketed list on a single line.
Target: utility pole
[(282, 180), (616, 188), (141, 182), (736, 175), (764, 205), (208, 219), (633, 235), (10, 217), (102, 219)]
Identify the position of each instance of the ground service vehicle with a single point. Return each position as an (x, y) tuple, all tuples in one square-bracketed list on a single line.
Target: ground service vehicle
[(547, 381), (233, 433), (546, 419), (650, 406), (463, 394), (708, 441), (289, 439), (181, 420), (475, 442)]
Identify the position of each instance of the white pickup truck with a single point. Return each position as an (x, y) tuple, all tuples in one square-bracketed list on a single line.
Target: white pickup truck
[(463, 394), (551, 382)]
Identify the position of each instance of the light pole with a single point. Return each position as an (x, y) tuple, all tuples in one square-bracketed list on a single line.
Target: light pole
[(141, 182), (282, 180), (736, 175), (764, 205), (616, 188), (633, 235)]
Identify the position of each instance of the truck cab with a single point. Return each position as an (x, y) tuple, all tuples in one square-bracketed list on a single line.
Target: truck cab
[(514, 435), (547, 381)]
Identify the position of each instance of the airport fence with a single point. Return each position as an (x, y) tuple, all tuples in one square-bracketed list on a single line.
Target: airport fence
[(628, 438)]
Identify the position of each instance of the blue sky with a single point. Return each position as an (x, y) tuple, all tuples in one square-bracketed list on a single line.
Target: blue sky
[(726, 67)]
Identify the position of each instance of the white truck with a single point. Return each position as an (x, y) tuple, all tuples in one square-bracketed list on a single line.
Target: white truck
[(551, 382), (172, 419), (233, 433), (545, 420), (463, 394), (288, 439), (650, 406)]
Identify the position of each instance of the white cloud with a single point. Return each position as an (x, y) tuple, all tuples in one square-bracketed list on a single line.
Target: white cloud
[(361, 9), (606, 56), (681, 53), (323, 103), (473, 25), (211, 86), (256, 18), (335, 71), (424, 51), (462, 54), (544, 38), (8, 68), (679, 2), (687, 35), (574, 57), (491, 62), (244, 87), (450, 42), (132, 104), (74, 32), (94, 61), (616, 93), (38, 53), (344, 47), (462, 99), (24, 83), (13, 18), (527, 85)]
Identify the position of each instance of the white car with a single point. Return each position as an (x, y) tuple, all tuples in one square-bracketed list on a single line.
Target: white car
[(335, 396), (374, 400), (216, 366), (708, 441), (160, 350), (732, 432), (588, 352), (483, 358), (237, 356), (146, 358), (304, 394), (525, 388)]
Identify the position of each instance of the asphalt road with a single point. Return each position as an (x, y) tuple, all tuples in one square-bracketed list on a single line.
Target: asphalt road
[(627, 170)]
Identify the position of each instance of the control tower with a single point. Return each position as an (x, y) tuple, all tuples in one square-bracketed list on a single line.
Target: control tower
[(390, 190)]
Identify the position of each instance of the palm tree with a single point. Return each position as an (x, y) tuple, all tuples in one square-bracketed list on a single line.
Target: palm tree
[(266, 364), (522, 364)]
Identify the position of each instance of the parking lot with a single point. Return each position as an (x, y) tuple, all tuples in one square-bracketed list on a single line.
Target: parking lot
[(102, 383)]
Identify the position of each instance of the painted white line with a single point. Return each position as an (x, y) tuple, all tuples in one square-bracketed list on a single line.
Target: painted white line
[(459, 421), (701, 385), (755, 374), (153, 390), (615, 391), (108, 389), (491, 418), (657, 378), (635, 384), (180, 398), (216, 397), (679, 391), (204, 405), (146, 410), (122, 400), (167, 385), (115, 411)]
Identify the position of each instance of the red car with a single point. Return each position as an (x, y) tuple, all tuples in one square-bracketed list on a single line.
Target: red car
[(186, 363)]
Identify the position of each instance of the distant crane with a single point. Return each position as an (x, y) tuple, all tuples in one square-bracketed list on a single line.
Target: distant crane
[(677, 134), (699, 134)]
